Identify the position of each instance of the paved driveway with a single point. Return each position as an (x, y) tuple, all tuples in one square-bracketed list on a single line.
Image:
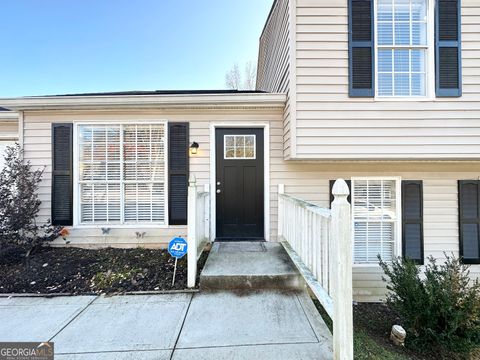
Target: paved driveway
[(264, 325)]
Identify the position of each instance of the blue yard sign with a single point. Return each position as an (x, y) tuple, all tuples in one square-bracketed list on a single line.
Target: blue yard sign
[(177, 247)]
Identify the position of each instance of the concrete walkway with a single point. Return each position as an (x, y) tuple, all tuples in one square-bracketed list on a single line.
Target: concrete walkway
[(216, 325)]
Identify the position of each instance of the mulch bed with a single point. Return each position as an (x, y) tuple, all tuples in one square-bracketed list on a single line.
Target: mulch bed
[(83, 271)]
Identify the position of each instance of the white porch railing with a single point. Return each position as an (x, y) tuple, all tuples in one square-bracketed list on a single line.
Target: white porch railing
[(319, 242), (198, 233)]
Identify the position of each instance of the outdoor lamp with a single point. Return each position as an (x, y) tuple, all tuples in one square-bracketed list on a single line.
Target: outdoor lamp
[(194, 148)]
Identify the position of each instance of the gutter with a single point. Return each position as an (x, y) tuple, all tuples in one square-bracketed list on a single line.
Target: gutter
[(253, 100)]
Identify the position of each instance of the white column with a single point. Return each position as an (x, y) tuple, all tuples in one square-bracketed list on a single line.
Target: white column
[(341, 256), (192, 232)]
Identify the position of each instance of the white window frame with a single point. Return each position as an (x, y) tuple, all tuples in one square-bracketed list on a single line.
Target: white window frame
[(76, 177), (398, 209), (429, 60)]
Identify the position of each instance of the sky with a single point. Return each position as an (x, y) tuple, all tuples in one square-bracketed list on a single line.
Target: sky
[(74, 46)]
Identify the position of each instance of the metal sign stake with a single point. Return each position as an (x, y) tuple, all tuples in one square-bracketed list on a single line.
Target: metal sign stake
[(174, 271)]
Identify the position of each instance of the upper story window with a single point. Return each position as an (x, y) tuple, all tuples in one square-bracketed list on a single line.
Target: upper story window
[(402, 48), (406, 49)]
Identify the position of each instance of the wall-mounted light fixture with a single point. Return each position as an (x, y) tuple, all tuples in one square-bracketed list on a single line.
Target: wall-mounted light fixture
[(194, 148)]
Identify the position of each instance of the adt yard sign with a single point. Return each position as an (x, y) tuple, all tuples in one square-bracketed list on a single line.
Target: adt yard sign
[(178, 247)]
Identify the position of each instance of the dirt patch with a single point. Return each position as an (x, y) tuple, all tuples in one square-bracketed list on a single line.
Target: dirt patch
[(83, 271)]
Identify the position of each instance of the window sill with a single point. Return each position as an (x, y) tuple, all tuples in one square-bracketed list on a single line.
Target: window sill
[(126, 226), (372, 265), (404, 99), (471, 261)]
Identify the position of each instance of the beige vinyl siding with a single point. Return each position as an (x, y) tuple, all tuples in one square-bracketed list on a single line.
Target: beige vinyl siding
[(8, 135), (331, 125), (37, 138), (274, 62), (8, 129)]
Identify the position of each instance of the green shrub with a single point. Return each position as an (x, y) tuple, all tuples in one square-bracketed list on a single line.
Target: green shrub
[(20, 206), (439, 306)]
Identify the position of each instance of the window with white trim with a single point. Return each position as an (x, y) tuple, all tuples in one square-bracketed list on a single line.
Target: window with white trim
[(122, 174), (402, 47), (375, 219)]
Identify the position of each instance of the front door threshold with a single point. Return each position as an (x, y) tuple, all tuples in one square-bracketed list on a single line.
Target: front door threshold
[(233, 239)]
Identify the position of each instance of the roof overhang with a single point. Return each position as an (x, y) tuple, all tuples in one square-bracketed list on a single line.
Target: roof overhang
[(215, 101)]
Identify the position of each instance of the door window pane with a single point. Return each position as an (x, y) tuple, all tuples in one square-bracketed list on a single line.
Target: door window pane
[(239, 147)]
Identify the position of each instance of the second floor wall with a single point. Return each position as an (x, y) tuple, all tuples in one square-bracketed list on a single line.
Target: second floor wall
[(323, 120)]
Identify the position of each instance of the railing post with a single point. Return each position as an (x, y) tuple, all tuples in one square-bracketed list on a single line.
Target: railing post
[(206, 188), (341, 248), (281, 190), (192, 232)]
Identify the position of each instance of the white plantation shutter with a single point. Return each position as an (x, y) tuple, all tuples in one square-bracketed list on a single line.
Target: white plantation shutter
[(122, 173), (375, 219)]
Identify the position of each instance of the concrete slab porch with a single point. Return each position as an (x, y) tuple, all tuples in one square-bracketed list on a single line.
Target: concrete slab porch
[(249, 265)]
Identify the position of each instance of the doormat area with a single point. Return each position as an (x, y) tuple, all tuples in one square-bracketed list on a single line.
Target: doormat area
[(247, 246), (84, 271)]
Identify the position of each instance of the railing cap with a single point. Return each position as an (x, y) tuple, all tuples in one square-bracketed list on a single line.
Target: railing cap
[(340, 188)]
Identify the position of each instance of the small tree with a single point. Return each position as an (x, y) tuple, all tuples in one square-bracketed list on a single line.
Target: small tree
[(235, 81), (20, 205), (440, 306)]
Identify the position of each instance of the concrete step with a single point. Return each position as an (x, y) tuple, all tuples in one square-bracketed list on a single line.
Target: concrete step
[(249, 266)]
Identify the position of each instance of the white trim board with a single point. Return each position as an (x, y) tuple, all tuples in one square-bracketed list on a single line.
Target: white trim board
[(266, 172)]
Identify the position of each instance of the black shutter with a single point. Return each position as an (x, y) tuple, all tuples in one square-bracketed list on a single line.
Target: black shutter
[(412, 220), (178, 172), (469, 220), (448, 54), (361, 48), (62, 174), (349, 184)]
